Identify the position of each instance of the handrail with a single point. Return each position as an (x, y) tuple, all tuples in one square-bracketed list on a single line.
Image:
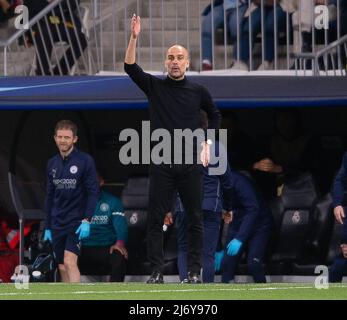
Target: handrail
[(321, 52), (34, 20), (315, 56)]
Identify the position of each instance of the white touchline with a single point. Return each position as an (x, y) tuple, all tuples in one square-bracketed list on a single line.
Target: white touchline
[(158, 291)]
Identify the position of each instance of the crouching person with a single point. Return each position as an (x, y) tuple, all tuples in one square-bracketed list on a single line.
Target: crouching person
[(104, 251), (249, 225)]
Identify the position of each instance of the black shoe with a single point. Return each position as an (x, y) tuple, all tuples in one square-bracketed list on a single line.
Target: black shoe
[(156, 277), (185, 280), (193, 277)]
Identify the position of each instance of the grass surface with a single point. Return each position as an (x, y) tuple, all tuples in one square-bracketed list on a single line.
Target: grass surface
[(141, 291)]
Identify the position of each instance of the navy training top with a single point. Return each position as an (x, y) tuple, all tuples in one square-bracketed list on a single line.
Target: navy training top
[(72, 190)]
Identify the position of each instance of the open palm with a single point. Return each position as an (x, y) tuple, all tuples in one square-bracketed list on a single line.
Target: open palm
[(135, 26)]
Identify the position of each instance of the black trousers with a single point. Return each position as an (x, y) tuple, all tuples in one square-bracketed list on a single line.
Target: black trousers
[(59, 32), (99, 261), (165, 180)]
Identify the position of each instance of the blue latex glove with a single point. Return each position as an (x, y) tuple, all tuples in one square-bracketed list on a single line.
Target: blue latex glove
[(83, 230), (218, 257), (47, 236), (233, 247)]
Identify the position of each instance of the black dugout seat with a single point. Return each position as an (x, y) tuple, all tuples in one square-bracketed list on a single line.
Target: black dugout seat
[(293, 215), (135, 198)]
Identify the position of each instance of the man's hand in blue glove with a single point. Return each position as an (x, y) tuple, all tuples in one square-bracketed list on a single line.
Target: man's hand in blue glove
[(218, 258), (83, 230), (47, 235), (233, 247)]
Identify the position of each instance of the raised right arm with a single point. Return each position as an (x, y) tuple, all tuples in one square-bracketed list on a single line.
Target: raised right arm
[(130, 56)]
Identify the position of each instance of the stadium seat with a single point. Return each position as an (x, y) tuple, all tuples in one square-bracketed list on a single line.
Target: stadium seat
[(322, 225), (293, 214), (135, 202)]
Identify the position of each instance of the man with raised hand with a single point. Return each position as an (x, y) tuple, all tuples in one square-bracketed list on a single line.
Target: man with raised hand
[(72, 194), (174, 103)]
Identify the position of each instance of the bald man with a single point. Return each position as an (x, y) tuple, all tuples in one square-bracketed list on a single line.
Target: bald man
[(174, 103)]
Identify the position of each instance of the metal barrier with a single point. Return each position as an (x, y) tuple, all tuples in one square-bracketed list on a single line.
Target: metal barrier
[(249, 36), (331, 60), (53, 44), (254, 35)]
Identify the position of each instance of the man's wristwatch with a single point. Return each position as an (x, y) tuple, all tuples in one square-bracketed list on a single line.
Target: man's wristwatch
[(208, 141)]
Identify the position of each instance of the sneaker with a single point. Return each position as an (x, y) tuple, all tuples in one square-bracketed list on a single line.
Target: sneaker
[(239, 65), (185, 280), (266, 65), (206, 65), (156, 277), (193, 277)]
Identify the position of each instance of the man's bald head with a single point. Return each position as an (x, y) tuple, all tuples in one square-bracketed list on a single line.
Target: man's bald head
[(177, 61), (180, 48)]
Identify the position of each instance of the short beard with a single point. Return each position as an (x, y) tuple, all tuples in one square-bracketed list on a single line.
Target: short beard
[(176, 77)]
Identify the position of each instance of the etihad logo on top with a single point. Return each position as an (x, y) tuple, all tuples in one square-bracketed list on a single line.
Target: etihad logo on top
[(65, 183)]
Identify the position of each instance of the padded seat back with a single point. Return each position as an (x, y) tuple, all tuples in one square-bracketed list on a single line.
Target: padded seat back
[(135, 202), (296, 205)]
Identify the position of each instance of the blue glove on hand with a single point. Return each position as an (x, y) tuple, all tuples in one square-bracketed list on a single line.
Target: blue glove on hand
[(83, 230), (47, 235), (218, 257), (233, 247)]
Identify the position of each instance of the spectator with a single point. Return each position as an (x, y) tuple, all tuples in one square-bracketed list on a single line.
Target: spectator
[(105, 247), (249, 225), (64, 25), (6, 10), (215, 16), (254, 13), (289, 153), (303, 14), (72, 194)]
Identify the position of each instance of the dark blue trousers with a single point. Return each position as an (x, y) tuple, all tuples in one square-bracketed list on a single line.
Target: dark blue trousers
[(256, 250), (338, 269), (211, 226)]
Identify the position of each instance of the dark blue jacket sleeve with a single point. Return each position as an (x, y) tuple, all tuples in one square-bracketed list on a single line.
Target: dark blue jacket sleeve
[(119, 221), (92, 188), (227, 188), (340, 183), (249, 205), (225, 179), (49, 199)]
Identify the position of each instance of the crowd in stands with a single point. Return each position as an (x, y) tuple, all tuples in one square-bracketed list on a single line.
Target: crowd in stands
[(244, 24)]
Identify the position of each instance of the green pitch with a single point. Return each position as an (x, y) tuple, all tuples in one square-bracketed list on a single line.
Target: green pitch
[(141, 291)]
